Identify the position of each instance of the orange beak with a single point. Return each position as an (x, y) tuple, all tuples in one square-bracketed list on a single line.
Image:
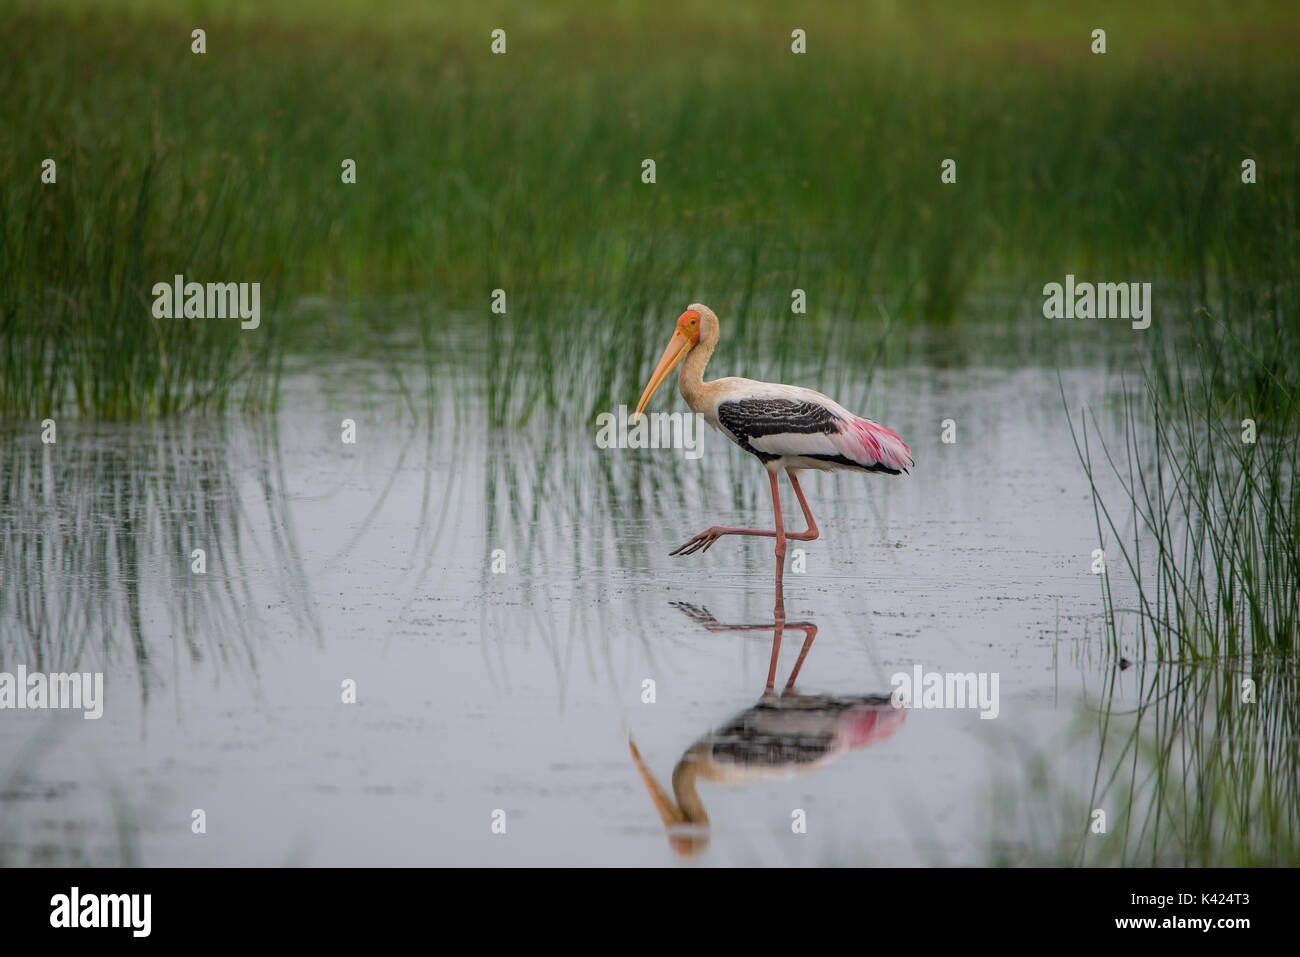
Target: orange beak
[(685, 844), (680, 344), (668, 811)]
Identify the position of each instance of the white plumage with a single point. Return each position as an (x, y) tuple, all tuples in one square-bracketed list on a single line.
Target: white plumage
[(787, 427), (792, 427)]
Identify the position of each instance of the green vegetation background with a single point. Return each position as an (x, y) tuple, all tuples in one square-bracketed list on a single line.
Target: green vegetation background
[(775, 171)]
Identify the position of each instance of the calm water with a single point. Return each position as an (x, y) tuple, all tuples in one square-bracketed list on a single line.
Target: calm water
[(519, 690)]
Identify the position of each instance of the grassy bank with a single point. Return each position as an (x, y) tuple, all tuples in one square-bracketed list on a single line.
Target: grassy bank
[(774, 171)]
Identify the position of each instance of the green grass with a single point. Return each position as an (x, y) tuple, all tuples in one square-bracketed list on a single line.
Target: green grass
[(1188, 773), (1201, 533), (1204, 532), (522, 172)]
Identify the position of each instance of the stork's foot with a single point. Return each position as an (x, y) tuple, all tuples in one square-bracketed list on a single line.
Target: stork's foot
[(701, 542), (706, 538), (697, 614)]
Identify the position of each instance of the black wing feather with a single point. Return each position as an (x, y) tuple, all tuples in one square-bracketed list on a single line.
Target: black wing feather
[(747, 419)]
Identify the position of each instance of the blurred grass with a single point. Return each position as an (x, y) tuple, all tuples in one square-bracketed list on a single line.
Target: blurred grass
[(97, 540), (522, 172), (1189, 769)]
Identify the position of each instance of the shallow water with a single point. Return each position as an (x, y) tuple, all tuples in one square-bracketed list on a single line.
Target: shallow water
[(481, 691)]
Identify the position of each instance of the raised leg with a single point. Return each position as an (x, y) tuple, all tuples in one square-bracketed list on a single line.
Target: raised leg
[(779, 626), (812, 531), (704, 540), (810, 632)]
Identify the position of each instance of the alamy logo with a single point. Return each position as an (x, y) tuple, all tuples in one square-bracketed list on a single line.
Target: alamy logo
[(102, 910), (84, 690), (1105, 300), (653, 430), (215, 300), (938, 690)]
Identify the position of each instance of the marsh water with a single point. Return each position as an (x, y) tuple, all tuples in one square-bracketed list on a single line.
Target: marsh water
[(503, 602)]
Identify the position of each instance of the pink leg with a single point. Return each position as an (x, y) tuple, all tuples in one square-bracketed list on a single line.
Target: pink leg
[(780, 549), (705, 540), (810, 632), (779, 627), (812, 531)]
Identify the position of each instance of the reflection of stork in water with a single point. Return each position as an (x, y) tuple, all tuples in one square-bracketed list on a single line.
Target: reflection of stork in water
[(785, 733)]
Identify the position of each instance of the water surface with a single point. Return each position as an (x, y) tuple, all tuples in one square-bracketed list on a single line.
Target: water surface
[(481, 691)]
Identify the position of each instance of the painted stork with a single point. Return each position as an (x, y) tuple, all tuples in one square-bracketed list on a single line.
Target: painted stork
[(784, 734), (789, 428)]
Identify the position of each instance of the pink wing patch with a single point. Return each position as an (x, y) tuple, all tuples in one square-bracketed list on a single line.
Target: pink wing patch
[(862, 726), (869, 444)]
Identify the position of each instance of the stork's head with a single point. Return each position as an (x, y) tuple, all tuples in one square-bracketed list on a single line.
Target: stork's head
[(697, 324), (684, 818)]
